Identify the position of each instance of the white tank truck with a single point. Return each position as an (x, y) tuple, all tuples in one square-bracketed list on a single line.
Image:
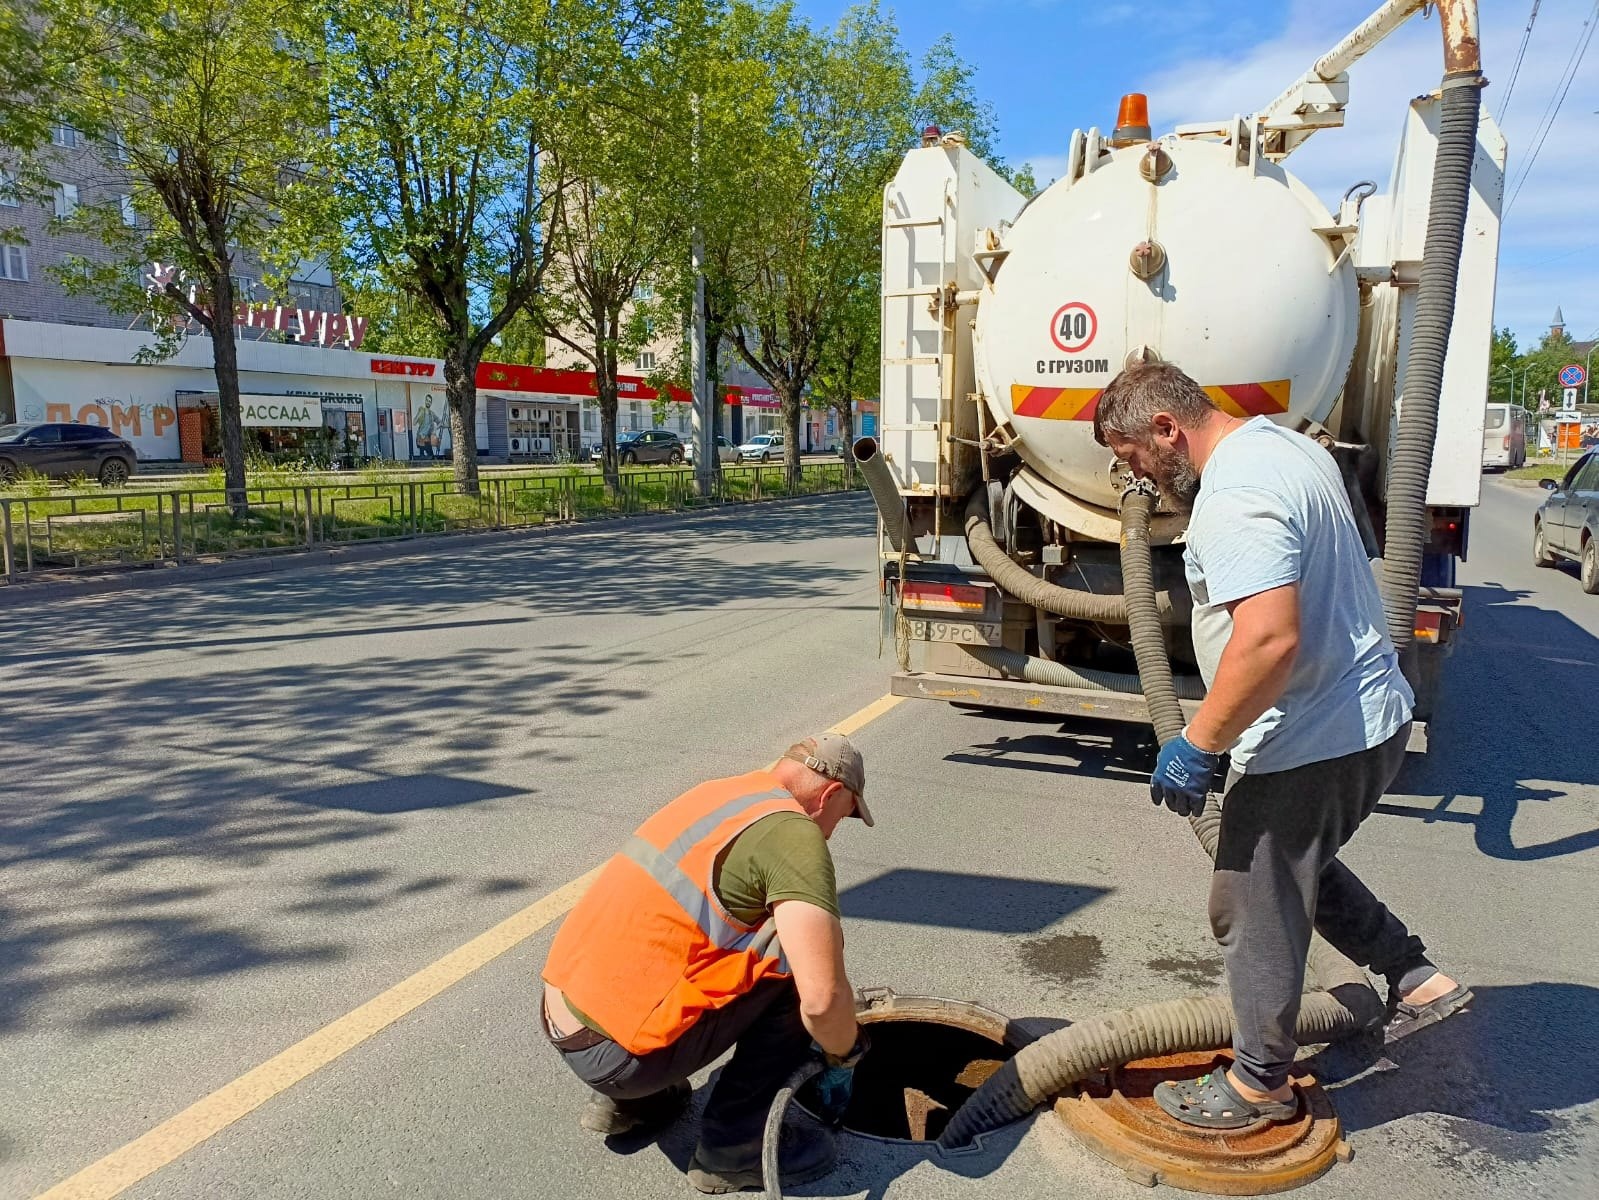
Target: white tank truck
[(1016, 571)]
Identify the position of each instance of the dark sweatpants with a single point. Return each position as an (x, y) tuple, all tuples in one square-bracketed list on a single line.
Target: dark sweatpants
[(769, 1041), (1276, 874)]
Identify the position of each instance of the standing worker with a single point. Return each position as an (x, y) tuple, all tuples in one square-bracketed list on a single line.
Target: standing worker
[(1304, 688), (717, 926)]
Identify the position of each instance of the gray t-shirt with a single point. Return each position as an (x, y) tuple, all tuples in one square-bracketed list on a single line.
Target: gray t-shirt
[(1271, 511)]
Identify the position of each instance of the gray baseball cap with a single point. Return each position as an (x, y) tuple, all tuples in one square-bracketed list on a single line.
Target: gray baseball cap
[(835, 756)]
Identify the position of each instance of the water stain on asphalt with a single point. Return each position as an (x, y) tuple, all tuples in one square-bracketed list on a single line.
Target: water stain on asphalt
[(1196, 970), (1063, 957)]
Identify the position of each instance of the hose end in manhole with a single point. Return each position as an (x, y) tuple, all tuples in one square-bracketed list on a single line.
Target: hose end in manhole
[(1115, 1116), (928, 1055)]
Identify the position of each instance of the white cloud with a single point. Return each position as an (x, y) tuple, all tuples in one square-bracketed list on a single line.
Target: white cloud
[(1550, 239)]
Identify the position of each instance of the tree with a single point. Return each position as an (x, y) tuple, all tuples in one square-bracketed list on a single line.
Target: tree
[(1555, 350), (848, 370), (1503, 365), (839, 126), (207, 115), (444, 119)]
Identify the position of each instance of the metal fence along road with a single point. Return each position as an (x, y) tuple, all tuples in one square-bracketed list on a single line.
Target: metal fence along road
[(55, 533)]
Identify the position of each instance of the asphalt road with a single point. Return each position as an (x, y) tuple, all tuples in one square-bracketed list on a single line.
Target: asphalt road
[(234, 813)]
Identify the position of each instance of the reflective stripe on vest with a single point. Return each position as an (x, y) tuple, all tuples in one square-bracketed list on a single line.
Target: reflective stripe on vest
[(651, 947)]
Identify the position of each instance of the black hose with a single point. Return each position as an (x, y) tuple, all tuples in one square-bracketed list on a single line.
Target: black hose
[(771, 1164), (1406, 532), (1029, 588), (1149, 639)]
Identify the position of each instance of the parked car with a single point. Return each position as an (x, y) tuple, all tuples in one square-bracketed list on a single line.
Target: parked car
[(1567, 524), (61, 451), (725, 451), (763, 447), (650, 446)]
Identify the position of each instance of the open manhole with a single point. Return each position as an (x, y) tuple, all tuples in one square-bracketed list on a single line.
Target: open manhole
[(928, 1055)]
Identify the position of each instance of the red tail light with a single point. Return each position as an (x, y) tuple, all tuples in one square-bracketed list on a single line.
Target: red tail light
[(950, 597)]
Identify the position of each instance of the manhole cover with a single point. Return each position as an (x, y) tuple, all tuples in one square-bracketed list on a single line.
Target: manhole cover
[(1116, 1117)]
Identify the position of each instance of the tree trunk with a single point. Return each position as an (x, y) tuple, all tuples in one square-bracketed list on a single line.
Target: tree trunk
[(225, 363), (606, 390), (790, 398), (460, 388), (846, 432), (713, 383)]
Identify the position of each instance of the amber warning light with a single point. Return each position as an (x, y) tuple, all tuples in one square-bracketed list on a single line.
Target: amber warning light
[(1132, 120)]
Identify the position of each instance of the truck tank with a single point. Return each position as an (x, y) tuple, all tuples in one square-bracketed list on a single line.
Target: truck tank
[(1189, 251)]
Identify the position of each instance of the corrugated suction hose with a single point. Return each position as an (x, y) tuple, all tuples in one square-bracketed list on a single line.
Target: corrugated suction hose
[(1029, 588), (1407, 532), (1346, 1004)]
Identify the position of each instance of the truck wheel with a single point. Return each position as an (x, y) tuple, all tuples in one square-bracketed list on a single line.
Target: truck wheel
[(1540, 548), (1590, 567)]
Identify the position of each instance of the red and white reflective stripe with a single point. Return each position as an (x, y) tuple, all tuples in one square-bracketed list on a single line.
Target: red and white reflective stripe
[(1080, 404)]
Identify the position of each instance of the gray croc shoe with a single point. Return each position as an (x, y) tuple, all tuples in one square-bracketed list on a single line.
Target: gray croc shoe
[(1211, 1102)]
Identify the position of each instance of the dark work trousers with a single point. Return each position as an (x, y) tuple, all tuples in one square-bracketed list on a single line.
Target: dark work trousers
[(769, 1041), (1277, 874)]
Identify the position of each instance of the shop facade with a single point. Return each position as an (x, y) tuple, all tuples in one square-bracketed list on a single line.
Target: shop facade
[(335, 404)]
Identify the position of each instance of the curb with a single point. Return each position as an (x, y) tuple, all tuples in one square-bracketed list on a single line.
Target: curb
[(144, 578)]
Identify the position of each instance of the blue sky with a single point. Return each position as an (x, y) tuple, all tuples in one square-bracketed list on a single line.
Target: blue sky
[(1049, 66)]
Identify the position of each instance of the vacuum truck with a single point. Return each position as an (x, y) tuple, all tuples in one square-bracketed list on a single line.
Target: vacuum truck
[(1018, 561)]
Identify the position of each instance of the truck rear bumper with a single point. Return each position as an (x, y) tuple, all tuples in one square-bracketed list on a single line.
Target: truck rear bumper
[(1025, 697)]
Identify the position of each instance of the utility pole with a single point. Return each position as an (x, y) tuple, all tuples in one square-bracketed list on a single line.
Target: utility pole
[(706, 466)]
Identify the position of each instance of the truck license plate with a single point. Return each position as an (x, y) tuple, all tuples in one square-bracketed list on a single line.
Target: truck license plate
[(971, 632)]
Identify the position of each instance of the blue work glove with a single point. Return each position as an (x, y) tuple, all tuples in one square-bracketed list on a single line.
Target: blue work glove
[(1183, 776), (835, 1086)]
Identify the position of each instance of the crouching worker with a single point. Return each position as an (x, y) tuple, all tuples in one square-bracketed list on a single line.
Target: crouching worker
[(717, 926)]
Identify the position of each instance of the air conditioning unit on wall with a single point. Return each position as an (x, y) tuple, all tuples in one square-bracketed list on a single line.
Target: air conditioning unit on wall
[(518, 445)]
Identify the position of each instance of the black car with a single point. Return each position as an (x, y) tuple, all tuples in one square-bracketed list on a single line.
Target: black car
[(61, 451), (651, 446), (1567, 524)]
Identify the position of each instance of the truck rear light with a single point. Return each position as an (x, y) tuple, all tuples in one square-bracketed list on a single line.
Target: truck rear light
[(943, 597)]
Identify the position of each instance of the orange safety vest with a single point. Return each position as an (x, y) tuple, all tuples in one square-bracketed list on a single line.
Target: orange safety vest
[(649, 947)]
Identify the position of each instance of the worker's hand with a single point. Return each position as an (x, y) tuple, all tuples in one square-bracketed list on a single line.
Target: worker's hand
[(1183, 776), (836, 1084)]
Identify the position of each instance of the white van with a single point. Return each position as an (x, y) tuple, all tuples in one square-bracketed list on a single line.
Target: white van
[(1504, 437)]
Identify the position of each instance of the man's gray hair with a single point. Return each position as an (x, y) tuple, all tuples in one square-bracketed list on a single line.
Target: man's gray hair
[(1128, 406)]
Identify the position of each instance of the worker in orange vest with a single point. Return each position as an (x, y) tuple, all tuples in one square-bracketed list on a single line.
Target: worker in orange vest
[(717, 926)]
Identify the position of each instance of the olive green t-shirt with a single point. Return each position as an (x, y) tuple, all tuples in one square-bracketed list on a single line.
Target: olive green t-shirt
[(783, 856)]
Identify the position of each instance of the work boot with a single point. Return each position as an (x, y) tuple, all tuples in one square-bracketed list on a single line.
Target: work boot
[(803, 1154), (612, 1118)]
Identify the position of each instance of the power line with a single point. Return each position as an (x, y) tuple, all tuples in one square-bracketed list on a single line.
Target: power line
[(1584, 36), (1526, 36)]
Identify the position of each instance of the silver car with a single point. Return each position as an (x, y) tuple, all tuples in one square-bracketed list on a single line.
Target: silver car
[(1567, 524), (725, 451), (763, 447)]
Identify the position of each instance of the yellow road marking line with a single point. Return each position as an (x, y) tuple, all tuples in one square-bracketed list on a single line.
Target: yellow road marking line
[(207, 1117), (178, 1135), (860, 720)]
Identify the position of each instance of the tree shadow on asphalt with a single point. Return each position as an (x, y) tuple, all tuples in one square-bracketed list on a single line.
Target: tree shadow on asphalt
[(1514, 726), (956, 900), (127, 780)]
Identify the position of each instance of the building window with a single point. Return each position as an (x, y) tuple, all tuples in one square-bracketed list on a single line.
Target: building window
[(66, 199), (243, 288), (644, 291), (129, 217), (591, 420), (8, 189), (645, 360), (64, 135), (14, 263), (635, 415)]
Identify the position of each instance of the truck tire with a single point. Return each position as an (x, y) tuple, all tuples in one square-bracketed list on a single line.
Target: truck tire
[(1540, 548), (1590, 566)]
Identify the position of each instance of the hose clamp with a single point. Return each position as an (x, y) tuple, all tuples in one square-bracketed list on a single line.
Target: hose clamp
[(1138, 487)]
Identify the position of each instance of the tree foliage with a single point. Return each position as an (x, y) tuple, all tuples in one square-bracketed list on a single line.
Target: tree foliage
[(205, 116)]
